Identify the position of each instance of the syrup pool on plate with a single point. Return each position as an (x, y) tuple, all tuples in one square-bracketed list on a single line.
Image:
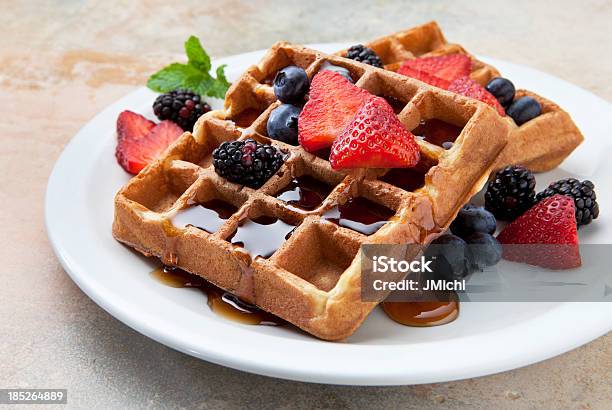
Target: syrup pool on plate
[(423, 313), (223, 303), (437, 132), (208, 216), (261, 236), (304, 192), (360, 215)]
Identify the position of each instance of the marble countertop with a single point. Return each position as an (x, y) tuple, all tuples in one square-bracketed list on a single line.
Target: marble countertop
[(62, 62)]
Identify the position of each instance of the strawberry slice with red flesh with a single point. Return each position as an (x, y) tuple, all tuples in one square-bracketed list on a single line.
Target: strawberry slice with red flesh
[(423, 76), (470, 88), (133, 126), (135, 151), (448, 67), (375, 139), (332, 104), (550, 228)]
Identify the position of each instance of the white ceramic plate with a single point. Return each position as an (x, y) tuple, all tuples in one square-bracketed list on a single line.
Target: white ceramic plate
[(486, 338)]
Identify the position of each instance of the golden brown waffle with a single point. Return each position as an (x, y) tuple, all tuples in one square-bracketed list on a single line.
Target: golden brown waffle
[(540, 144), (313, 279)]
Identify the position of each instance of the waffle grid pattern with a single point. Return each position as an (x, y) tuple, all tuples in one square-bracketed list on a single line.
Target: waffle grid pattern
[(313, 279)]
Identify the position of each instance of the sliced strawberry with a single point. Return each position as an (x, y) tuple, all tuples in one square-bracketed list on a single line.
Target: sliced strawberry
[(134, 152), (550, 228), (448, 67), (424, 76), (332, 104), (375, 139), (470, 88), (132, 126)]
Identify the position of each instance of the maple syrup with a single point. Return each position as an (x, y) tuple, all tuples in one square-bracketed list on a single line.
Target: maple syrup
[(304, 192), (208, 216), (245, 118), (395, 103), (408, 179), (261, 236), (424, 313), (437, 132), (360, 215), (221, 302), (323, 153)]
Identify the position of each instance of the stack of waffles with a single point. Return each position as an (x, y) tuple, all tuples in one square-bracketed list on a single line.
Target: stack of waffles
[(313, 278), (540, 144)]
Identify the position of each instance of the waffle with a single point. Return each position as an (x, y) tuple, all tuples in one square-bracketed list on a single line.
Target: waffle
[(313, 280), (540, 144)]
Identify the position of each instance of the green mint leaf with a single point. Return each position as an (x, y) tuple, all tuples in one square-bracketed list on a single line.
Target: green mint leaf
[(194, 76), (170, 77), (220, 86), (196, 54)]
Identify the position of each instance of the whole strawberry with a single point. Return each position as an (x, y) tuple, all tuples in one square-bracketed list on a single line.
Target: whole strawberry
[(546, 235), (375, 139)]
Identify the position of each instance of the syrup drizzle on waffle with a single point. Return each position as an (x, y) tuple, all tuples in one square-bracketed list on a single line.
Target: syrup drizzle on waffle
[(311, 277)]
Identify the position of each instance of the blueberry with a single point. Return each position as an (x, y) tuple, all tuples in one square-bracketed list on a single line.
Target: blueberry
[(283, 122), (450, 257), (291, 84), (473, 219), (502, 89), (485, 250), (524, 109), (340, 70)]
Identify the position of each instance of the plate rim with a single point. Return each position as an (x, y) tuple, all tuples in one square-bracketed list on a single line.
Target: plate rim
[(309, 374)]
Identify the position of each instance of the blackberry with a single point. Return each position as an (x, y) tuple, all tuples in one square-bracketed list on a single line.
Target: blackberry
[(510, 193), (247, 162), (365, 55), (583, 194), (183, 107)]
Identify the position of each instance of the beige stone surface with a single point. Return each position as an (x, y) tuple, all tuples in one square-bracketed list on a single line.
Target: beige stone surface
[(63, 61)]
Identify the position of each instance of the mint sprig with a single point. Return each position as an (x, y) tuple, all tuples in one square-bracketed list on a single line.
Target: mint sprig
[(194, 76)]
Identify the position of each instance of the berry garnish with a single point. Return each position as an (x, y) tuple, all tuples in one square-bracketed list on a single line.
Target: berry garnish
[(583, 194), (375, 139), (180, 106), (448, 67), (365, 55), (524, 109), (140, 141), (510, 193), (424, 76), (472, 219), (550, 223), (247, 162), (470, 88), (283, 123), (133, 126), (450, 257), (291, 84), (485, 250), (332, 104), (502, 89), (340, 70)]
